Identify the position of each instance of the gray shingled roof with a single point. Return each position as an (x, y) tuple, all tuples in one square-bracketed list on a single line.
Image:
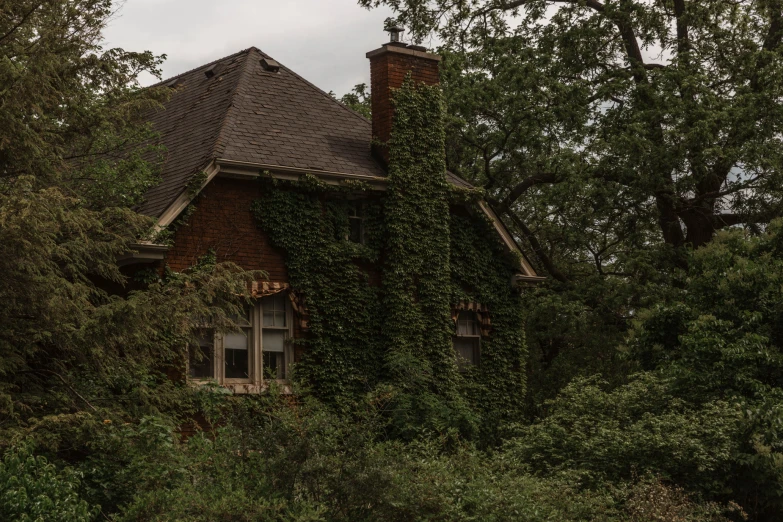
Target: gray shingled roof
[(246, 113)]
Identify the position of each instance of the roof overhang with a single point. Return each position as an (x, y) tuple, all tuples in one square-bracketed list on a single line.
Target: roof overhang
[(143, 253), (508, 239), (242, 169), (520, 279)]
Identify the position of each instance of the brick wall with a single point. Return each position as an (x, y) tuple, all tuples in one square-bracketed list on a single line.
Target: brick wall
[(388, 69), (224, 223)]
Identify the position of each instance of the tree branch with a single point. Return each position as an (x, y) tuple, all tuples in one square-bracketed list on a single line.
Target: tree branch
[(731, 219), (538, 249), (62, 379), (22, 21), (522, 187)]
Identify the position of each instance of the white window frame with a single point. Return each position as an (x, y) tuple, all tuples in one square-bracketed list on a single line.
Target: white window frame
[(288, 355), (256, 352)]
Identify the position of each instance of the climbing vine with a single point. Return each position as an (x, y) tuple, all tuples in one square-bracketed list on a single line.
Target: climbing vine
[(310, 222), (380, 311)]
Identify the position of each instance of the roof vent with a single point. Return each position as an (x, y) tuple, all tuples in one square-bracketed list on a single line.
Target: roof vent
[(212, 70), (173, 84), (270, 65)]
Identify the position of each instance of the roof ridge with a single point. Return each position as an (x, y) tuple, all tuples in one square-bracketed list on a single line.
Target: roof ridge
[(167, 80), (220, 144), (210, 152)]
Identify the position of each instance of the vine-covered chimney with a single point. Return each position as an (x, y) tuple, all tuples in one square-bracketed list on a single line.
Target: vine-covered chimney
[(389, 65)]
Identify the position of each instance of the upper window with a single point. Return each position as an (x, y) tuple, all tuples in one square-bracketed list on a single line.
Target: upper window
[(356, 222), (467, 342), (258, 350)]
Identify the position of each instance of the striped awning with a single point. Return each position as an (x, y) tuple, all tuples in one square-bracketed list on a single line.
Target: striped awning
[(267, 288), (481, 311)]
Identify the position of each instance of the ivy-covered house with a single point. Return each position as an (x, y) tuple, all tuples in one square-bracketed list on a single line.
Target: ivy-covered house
[(382, 266)]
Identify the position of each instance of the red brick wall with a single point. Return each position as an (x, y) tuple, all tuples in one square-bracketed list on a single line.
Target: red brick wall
[(388, 71), (224, 223)]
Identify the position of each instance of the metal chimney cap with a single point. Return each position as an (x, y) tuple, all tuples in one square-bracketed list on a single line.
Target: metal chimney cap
[(395, 33)]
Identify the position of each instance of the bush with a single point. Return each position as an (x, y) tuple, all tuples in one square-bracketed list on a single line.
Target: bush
[(33, 490), (635, 429)]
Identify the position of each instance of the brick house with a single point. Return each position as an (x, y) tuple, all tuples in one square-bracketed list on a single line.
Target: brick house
[(243, 117)]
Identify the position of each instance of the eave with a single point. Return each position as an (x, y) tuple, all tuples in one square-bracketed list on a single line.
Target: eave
[(143, 253), (246, 170)]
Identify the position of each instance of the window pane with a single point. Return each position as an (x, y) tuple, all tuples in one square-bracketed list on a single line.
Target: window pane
[(356, 230), (274, 365), (274, 310), (200, 363), (467, 323), (467, 351), (242, 320), (236, 364), (273, 340), (237, 340)]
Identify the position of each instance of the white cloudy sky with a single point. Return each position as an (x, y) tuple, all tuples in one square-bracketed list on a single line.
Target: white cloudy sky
[(323, 40)]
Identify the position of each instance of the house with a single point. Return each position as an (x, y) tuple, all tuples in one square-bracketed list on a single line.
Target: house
[(244, 133)]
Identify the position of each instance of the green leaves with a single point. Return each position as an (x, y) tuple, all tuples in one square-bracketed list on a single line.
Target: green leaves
[(72, 112), (33, 490), (638, 428)]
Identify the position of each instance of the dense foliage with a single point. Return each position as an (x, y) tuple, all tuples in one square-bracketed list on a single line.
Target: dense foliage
[(380, 310), (654, 390)]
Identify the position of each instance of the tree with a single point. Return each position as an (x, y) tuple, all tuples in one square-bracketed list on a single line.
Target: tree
[(661, 117), (74, 160), (71, 110), (358, 100)]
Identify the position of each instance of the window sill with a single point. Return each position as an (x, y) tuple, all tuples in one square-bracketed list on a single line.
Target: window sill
[(247, 388)]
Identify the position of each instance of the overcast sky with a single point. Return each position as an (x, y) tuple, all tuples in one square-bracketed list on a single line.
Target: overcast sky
[(323, 40)]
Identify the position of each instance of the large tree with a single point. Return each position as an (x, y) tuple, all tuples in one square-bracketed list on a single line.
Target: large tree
[(662, 117), (75, 358)]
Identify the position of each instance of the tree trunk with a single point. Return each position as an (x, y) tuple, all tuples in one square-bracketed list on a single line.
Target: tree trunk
[(700, 225)]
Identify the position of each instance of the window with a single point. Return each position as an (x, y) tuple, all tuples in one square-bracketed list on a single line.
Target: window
[(467, 342), (237, 348), (257, 351), (356, 222), (202, 356), (273, 336)]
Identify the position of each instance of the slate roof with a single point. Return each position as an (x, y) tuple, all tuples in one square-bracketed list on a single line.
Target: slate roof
[(246, 113)]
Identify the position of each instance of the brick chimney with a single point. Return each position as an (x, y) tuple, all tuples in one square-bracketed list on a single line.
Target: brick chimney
[(388, 67)]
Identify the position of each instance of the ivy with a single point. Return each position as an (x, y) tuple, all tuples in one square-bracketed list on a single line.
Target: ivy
[(310, 223), (480, 272), (380, 312)]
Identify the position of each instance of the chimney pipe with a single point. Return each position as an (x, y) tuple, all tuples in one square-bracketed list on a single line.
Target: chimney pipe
[(389, 65)]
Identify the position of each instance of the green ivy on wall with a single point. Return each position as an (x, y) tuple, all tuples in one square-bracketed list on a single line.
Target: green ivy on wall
[(310, 222), (380, 312)]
